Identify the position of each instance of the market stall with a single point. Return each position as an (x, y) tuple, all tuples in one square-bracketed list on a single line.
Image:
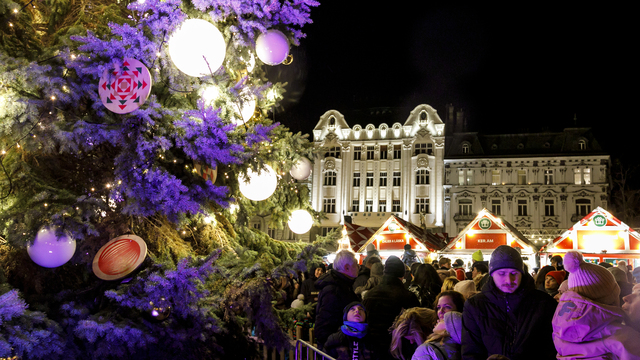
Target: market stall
[(600, 237), (395, 233), (485, 233)]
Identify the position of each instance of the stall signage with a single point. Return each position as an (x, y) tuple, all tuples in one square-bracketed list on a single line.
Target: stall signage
[(598, 240), (391, 242), (600, 220), (484, 223), (485, 241)]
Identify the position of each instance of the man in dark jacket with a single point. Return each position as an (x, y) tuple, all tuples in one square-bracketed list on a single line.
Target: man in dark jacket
[(335, 294), (365, 272), (509, 317), (385, 301)]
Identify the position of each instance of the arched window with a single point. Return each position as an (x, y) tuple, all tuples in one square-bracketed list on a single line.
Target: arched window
[(466, 148)]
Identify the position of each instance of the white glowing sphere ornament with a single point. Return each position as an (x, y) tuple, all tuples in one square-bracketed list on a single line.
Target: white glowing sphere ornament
[(197, 48), (258, 186), (49, 250), (245, 112), (300, 221), (301, 170), (272, 47)]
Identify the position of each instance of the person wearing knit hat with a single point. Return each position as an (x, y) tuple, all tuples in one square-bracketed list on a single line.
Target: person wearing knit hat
[(552, 281), (588, 322), (477, 256), (352, 340), (386, 300), (508, 304), (444, 343), (622, 265), (466, 288)]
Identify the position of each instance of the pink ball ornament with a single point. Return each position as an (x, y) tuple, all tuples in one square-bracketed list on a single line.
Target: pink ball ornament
[(49, 250), (301, 170), (272, 47)]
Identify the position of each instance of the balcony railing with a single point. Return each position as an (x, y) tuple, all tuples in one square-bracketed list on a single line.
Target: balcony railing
[(463, 217)]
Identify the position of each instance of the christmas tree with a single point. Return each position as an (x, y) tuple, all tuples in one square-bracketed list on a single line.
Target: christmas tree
[(106, 133)]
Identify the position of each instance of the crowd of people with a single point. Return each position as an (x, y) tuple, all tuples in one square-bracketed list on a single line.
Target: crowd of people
[(403, 309)]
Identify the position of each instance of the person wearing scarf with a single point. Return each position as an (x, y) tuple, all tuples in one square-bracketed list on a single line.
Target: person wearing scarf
[(351, 341)]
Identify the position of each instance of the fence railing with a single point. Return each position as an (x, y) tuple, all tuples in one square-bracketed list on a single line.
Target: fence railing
[(306, 351)]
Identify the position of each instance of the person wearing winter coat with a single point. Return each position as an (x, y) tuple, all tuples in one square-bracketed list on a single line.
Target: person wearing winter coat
[(588, 323), (365, 272), (375, 279), (509, 317), (385, 301), (352, 342), (335, 294), (444, 343), (426, 285), (552, 282), (371, 251), (298, 303), (410, 329), (409, 256)]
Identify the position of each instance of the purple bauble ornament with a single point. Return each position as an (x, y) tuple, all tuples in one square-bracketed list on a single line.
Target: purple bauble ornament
[(49, 250), (272, 47)]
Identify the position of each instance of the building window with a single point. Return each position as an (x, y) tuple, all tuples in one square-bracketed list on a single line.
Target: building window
[(548, 177), (495, 177), (396, 206), (465, 176), (397, 151), (357, 153), (330, 178), (522, 207), (465, 207), (368, 206), (256, 226), (420, 149), (583, 207), (582, 176), (465, 148), (355, 205), (549, 207), (496, 206), (329, 206), (325, 230), (422, 205), (369, 179), (383, 152), (396, 178), (522, 177), (371, 151), (382, 206), (383, 179), (271, 233), (333, 152), (422, 177), (429, 149), (582, 144), (356, 179)]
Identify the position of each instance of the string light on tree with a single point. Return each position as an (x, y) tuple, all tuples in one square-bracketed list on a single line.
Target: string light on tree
[(197, 48)]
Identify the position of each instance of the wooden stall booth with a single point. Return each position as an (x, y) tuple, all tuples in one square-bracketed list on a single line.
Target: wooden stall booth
[(485, 233), (395, 233), (600, 237)]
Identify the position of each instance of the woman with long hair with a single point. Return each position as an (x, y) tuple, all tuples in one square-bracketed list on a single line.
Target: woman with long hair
[(426, 284), (410, 329), (449, 283)]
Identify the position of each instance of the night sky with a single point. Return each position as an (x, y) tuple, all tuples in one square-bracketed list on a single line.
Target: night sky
[(511, 68)]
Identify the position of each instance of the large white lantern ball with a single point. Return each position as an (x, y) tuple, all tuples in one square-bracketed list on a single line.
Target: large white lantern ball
[(49, 250), (195, 41), (301, 170), (258, 186), (272, 47), (300, 221)]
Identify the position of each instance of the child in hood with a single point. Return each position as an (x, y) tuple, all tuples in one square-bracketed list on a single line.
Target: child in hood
[(444, 343), (588, 322)]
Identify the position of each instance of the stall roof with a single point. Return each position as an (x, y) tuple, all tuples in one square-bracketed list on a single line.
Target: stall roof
[(358, 235), (562, 241), (500, 223), (432, 241)]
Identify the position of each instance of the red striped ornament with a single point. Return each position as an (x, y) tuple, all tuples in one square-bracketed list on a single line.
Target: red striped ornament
[(119, 257)]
